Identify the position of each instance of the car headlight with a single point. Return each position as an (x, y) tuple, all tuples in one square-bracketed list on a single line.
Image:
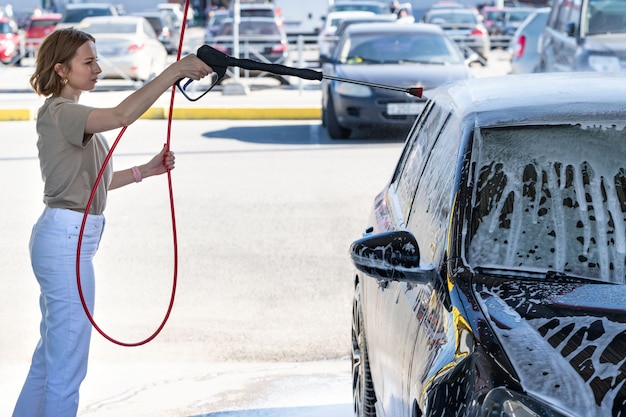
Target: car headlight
[(603, 63), (501, 402), (353, 90)]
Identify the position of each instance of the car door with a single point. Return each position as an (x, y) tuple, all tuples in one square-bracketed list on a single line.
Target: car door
[(559, 41), (391, 315), (429, 222)]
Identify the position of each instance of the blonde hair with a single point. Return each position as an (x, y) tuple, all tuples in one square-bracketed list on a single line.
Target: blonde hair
[(59, 47)]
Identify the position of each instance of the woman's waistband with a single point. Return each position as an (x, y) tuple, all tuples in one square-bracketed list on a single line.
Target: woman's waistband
[(72, 216)]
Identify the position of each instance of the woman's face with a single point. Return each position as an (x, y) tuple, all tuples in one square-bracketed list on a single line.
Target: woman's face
[(83, 69)]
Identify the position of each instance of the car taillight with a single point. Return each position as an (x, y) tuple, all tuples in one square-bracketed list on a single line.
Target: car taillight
[(478, 32), (279, 48), (135, 47), (165, 33), (520, 46)]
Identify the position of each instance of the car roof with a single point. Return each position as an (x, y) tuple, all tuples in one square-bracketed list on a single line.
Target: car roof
[(88, 6), (46, 16), (115, 19), (547, 98)]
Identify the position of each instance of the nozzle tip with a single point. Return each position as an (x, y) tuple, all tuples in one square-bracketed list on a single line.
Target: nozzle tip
[(415, 91)]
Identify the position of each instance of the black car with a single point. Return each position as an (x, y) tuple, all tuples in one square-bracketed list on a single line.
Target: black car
[(491, 276), (402, 55), (589, 35)]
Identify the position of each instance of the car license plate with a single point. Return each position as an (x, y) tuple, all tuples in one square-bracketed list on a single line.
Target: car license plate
[(402, 109)]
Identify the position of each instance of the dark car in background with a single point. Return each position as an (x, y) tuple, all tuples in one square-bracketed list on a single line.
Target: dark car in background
[(164, 27), (491, 275), (401, 55), (464, 26), (585, 36), (260, 39)]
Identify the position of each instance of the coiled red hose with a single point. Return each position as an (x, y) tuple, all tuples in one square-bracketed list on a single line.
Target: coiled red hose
[(172, 213)]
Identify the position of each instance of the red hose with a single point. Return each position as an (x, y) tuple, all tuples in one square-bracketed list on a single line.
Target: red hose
[(172, 213)]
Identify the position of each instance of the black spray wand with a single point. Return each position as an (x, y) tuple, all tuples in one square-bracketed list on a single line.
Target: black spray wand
[(220, 61)]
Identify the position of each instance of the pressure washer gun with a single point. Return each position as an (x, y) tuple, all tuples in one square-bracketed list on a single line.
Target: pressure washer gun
[(220, 61)]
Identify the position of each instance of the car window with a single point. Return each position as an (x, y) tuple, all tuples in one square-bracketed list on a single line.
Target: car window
[(42, 23), (564, 211), (453, 17), (76, 15), (5, 27), (566, 12), (415, 156), (347, 7), (430, 213), (606, 17), (394, 47), (251, 29)]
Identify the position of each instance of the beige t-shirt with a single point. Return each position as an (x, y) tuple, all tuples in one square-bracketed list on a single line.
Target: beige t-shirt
[(70, 160)]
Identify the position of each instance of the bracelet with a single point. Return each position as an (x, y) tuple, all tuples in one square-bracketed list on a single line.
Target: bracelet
[(136, 174)]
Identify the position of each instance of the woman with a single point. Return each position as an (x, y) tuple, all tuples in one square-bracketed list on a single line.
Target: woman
[(71, 153)]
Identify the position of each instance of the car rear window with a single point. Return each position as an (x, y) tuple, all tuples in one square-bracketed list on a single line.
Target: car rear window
[(76, 15), (251, 29), (42, 23), (453, 17), (551, 198)]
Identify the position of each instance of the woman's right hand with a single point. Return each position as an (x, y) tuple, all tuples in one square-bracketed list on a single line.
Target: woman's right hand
[(192, 67)]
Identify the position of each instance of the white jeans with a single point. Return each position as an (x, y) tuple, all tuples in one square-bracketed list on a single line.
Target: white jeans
[(59, 363)]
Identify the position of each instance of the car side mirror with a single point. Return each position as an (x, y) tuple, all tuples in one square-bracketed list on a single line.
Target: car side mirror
[(391, 256), (570, 29)]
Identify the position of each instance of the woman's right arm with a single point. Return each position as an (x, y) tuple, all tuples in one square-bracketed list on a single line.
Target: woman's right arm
[(131, 108)]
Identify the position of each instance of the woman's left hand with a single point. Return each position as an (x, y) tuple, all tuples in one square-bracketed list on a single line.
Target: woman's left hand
[(161, 163)]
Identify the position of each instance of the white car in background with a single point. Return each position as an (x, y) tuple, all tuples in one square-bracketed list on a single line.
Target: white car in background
[(326, 39), (128, 47)]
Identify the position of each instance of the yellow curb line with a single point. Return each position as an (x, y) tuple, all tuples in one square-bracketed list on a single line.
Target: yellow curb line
[(158, 113), (234, 113), (9, 115)]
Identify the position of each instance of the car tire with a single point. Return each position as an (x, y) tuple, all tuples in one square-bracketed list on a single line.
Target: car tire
[(335, 130), (362, 386)]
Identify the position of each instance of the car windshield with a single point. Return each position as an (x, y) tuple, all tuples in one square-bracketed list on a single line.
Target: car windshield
[(347, 7), (453, 16), (606, 16), (377, 48), (550, 198)]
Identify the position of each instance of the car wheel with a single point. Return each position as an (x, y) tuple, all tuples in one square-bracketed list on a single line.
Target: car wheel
[(362, 387), (335, 130)]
